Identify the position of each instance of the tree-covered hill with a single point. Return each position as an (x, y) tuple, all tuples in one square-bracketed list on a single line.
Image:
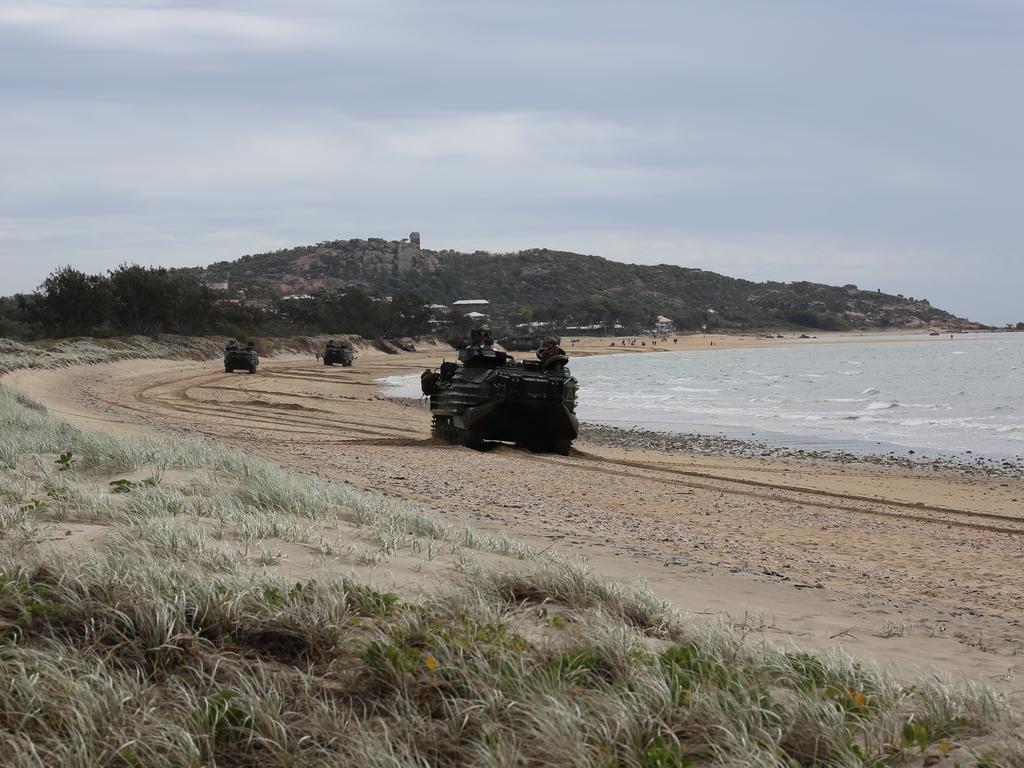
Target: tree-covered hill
[(543, 284)]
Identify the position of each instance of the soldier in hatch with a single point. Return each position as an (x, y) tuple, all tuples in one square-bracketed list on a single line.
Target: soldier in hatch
[(481, 337), (548, 352)]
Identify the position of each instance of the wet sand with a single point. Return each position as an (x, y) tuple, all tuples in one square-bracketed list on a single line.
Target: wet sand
[(916, 566)]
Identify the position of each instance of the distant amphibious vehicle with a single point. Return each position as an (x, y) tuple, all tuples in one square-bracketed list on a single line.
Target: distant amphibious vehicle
[(488, 396), (238, 358), (338, 352)]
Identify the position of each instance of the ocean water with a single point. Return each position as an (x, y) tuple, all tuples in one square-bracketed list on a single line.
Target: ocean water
[(934, 394)]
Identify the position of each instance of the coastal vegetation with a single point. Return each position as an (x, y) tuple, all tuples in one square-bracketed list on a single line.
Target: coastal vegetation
[(148, 616), (135, 300)]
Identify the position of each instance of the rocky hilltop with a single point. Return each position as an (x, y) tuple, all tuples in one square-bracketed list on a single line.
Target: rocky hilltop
[(327, 266), (547, 284)]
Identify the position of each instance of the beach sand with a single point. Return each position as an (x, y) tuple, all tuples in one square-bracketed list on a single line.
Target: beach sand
[(917, 567)]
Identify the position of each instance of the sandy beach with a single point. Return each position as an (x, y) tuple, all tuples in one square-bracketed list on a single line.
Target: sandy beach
[(920, 567)]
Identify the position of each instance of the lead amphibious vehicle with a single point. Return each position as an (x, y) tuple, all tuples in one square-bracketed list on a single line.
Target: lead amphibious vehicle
[(489, 396)]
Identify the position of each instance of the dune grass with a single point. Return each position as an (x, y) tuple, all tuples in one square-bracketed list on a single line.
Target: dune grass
[(173, 641), (59, 353)]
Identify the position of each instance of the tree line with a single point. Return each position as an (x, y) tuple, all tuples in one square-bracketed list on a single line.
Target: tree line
[(137, 300)]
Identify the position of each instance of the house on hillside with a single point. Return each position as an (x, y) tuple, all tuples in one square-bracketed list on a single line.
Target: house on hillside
[(664, 325), (477, 308)]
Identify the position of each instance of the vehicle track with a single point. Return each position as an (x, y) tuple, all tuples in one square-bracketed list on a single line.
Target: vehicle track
[(175, 399), (890, 508)]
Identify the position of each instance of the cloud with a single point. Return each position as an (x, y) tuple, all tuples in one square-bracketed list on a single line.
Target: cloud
[(162, 29)]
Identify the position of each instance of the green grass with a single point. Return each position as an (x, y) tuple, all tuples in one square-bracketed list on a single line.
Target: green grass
[(172, 641)]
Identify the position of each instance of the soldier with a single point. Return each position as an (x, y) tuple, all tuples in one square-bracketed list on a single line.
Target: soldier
[(548, 351), (481, 337), (232, 345), (428, 381)]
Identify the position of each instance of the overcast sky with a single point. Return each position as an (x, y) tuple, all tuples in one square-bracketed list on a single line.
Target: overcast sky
[(857, 141)]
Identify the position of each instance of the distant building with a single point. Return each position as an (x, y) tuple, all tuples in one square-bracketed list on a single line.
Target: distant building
[(474, 315), (664, 325), (477, 303)]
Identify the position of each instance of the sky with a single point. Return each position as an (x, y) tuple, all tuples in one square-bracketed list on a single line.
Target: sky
[(855, 141)]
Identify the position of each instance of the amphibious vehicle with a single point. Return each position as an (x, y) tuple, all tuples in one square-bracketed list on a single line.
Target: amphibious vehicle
[(240, 358), (489, 396), (338, 352)]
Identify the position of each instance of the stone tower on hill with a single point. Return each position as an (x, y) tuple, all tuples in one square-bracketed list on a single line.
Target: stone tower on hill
[(409, 256)]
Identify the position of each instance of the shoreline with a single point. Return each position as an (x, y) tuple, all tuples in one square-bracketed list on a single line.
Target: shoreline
[(717, 440), (596, 345), (669, 441), (672, 441)]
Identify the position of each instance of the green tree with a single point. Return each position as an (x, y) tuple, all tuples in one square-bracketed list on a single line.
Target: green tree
[(70, 303)]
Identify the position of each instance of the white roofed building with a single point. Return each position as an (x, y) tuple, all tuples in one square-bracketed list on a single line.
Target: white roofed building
[(664, 325)]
